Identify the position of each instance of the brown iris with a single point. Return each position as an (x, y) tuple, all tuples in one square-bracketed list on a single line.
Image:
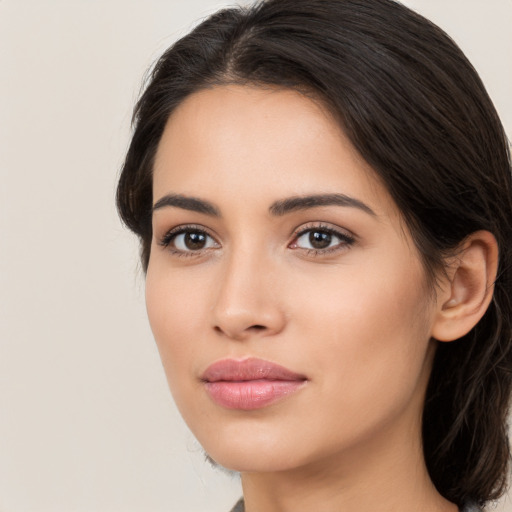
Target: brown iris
[(320, 239), (194, 241)]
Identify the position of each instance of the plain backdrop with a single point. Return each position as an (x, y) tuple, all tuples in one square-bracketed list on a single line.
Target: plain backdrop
[(86, 420)]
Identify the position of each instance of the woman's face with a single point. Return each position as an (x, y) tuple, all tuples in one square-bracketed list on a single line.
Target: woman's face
[(275, 244)]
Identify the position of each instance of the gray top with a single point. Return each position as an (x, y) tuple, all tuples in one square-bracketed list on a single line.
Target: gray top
[(469, 507)]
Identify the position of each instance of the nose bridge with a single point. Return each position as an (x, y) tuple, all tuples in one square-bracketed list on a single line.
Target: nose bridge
[(247, 301)]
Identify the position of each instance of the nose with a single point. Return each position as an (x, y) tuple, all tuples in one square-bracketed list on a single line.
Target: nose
[(248, 299)]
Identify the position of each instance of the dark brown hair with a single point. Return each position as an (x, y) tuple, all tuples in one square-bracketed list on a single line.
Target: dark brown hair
[(417, 112)]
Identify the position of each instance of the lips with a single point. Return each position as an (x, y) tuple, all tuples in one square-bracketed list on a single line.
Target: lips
[(249, 384)]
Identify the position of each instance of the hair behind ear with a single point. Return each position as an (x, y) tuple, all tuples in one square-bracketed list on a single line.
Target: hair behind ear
[(465, 432)]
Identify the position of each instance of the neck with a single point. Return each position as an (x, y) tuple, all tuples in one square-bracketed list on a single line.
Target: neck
[(387, 474)]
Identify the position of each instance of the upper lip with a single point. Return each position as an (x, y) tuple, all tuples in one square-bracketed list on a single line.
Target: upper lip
[(248, 369)]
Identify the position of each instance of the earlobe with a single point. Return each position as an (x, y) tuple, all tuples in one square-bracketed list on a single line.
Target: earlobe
[(467, 290)]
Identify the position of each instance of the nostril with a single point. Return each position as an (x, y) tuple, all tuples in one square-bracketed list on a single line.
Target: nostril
[(240, 334), (257, 327)]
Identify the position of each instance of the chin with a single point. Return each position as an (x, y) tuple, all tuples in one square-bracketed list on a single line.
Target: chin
[(250, 456), (248, 463)]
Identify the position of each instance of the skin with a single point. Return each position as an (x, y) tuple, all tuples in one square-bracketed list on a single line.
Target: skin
[(356, 318)]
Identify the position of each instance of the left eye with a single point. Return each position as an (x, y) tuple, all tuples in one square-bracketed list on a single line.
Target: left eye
[(320, 239)]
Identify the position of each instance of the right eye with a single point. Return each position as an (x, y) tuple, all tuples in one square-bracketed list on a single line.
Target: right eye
[(188, 240)]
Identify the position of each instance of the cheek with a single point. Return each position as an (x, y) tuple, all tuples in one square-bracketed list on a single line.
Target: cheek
[(175, 314), (367, 335)]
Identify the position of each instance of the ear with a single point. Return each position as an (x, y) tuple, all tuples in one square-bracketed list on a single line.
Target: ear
[(466, 293)]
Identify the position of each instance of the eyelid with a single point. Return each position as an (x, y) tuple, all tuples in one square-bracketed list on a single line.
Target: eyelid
[(323, 226), (346, 237), (166, 239)]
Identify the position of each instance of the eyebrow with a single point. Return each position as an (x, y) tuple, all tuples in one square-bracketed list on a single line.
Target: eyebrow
[(187, 203), (305, 202), (279, 208)]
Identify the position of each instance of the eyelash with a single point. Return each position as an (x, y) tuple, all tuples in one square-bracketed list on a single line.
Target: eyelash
[(167, 240), (346, 240)]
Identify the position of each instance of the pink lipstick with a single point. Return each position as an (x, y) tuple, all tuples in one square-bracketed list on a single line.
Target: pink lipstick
[(250, 383)]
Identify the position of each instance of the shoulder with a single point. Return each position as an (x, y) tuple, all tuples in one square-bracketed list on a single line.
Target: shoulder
[(239, 507), (471, 507)]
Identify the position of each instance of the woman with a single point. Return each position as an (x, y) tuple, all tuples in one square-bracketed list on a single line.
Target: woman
[(322, 191)]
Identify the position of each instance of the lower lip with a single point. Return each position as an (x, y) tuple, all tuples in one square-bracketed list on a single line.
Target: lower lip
[(251, 394)]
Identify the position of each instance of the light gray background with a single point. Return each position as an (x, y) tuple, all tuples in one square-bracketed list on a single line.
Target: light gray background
[(86, 420)]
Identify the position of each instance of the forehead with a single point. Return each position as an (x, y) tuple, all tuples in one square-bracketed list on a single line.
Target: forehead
[(260, 142)]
